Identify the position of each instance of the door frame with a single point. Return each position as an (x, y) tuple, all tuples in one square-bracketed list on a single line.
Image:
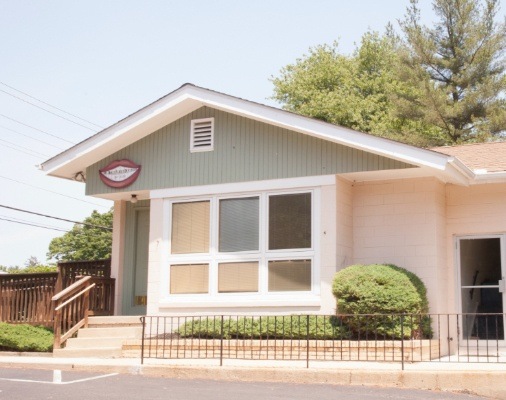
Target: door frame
[(459, 287)]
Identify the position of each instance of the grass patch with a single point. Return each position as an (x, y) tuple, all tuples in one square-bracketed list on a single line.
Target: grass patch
[(24, 337)]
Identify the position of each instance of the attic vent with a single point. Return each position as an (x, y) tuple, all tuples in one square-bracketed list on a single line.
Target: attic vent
[(202, 132)]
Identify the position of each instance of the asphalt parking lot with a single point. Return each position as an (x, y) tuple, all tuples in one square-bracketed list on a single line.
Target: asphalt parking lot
[(28, 384)]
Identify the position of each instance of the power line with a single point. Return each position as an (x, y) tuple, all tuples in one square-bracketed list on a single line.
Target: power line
[(31, 137), (50, 112), (37, 129), (38, 226), (24, 148), (15, 219), (58, 218), (21, 151), (50, 191), (47, 104)]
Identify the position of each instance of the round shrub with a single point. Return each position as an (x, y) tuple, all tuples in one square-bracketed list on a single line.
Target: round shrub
[(398, 296)]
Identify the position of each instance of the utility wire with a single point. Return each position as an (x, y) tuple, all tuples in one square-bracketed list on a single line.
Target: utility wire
[(58, 218), (31, 137), (21, 151), (37, 129), (47, 104), (44, 109), (24, 148), (38, 226), (15, 219), (50, 191)]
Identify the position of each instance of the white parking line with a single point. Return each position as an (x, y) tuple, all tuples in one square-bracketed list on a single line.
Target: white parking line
[(56, 382)]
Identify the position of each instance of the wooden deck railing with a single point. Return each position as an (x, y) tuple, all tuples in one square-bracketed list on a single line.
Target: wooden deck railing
[(71, 310), (26, 298)]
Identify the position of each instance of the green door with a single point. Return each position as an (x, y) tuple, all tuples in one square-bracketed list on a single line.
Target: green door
[(136, 296)]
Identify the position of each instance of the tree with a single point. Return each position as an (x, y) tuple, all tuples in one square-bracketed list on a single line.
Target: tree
[(91, 240), (353, 91), (458, 69)]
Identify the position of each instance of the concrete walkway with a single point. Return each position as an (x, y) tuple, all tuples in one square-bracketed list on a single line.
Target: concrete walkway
[(483, 379)]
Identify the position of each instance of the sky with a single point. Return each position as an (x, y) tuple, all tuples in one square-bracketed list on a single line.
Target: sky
[(99, 61)]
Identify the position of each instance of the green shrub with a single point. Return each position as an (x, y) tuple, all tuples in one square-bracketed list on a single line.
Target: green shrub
[(279, 327), (382, 289), (25, 338)]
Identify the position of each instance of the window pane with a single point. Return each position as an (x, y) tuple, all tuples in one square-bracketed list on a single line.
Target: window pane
[(238, 277), (290, 221), (190, 227), (287, 276), (190, 278), (239, 224)]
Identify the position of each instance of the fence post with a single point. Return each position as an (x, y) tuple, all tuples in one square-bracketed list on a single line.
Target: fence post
[(307, 341), (221, 343), (402, 341), (143, 321)]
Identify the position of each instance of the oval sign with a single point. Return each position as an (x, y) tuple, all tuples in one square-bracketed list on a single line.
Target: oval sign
[(120, 173)]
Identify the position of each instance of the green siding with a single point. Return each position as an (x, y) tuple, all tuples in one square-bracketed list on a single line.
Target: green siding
[(244, 150)]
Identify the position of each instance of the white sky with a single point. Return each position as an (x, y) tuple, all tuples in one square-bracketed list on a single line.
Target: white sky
[(103, 60)]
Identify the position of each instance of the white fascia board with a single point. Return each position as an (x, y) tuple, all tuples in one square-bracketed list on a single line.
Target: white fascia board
[(490, 177), (123, 133), (189, 97), (321, 130)]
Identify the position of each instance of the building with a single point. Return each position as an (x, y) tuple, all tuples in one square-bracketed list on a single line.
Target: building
[(222, 205)]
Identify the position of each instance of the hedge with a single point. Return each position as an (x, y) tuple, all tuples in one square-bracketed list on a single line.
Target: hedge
[(278, 327), (382, 289), (25, 338)]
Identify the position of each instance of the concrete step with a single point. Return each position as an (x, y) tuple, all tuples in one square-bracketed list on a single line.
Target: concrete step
[(112, 321), (94, 343), (125, 332), (103, 352)]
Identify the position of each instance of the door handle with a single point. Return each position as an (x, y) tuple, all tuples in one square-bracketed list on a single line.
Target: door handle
[(502, 285)]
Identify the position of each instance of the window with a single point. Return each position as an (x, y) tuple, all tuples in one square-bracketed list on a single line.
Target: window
[(202, 135), (190, 278), (239, 224), (290, 221), (257, 245), (289, 275), (190, 227), (238, 277)]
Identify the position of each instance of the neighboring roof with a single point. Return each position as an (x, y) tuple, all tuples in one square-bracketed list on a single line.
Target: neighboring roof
[(479, 157), (189, 98)]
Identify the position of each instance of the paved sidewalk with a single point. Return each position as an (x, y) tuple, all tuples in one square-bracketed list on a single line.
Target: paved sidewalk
[(484, 379)]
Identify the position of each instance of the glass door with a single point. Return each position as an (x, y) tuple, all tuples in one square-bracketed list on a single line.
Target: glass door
[(481, 262)]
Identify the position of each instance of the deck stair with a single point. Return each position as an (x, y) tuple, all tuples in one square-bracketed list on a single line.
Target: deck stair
[(103, 338)]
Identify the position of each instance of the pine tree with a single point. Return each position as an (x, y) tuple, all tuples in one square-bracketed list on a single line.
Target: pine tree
[(458, 68)]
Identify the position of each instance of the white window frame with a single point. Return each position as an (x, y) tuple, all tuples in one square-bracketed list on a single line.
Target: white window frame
[(263, 255)]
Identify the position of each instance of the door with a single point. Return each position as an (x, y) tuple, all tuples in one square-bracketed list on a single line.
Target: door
[(481, 262), (140, 267)]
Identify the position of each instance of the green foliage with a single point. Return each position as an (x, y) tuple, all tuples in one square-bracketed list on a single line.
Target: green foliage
[(280, 327), (457, 67), (25, 338), (353, 91), (382, 289), (32, 266), (85, 242)]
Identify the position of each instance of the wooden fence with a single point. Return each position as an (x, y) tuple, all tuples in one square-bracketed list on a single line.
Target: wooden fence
[(26, 298)]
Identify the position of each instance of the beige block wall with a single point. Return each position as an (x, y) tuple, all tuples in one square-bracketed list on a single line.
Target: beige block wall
[(402, 222), (473, 210)]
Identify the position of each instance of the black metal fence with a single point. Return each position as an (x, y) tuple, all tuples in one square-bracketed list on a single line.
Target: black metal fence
[(400, 338)]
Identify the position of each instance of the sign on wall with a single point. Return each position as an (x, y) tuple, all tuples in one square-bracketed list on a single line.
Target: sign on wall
[(120, 173)]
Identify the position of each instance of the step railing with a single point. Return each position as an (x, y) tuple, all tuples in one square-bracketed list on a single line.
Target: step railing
[(71, 310)]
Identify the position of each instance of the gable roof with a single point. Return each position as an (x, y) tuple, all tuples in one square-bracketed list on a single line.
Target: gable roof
[(188, 98), (479, 157)]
